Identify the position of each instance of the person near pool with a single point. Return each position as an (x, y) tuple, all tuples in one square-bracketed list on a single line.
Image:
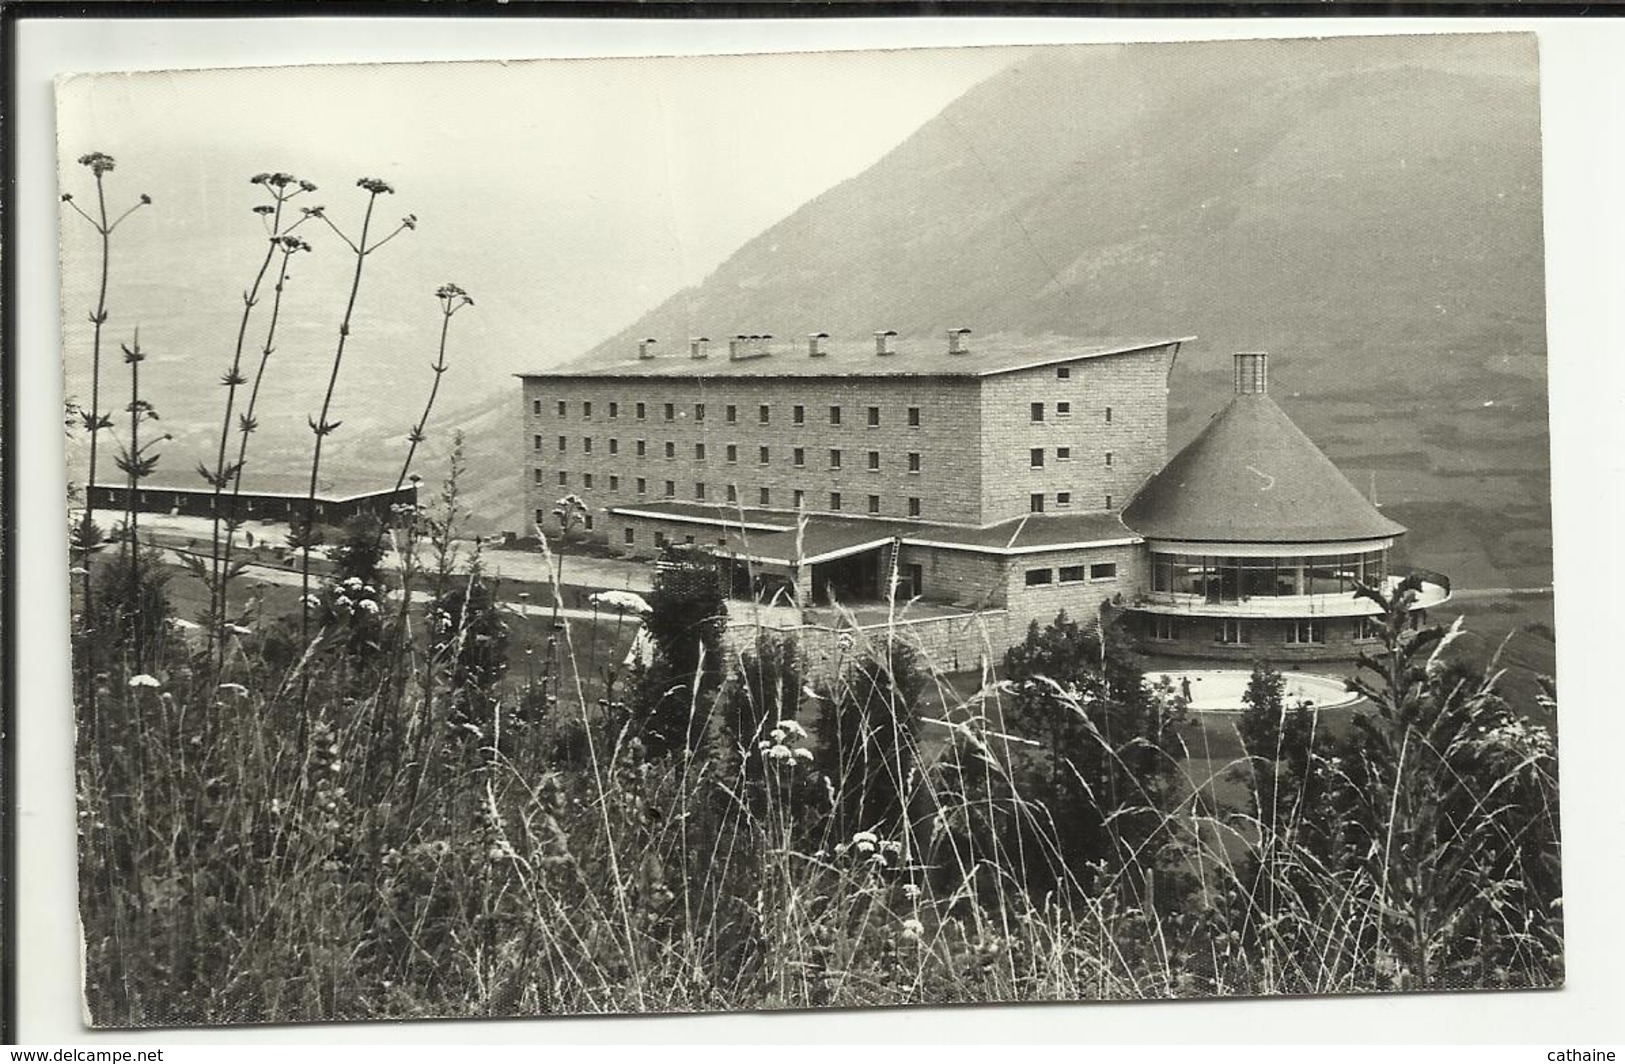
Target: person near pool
[(1185, 688)]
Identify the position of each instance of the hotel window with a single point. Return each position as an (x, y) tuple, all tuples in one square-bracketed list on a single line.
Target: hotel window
[(670, 411), (541, 516), (1108, 415), (564, 408), (660, 538), (643, 448), (798, 414), (671, 449), (914, 461), (733, 452), (671, 489), (913, 417), (1108, 502), (764, 496), (799, 456), (536, 407), (699, 411), (1063, 372), (615, 410), (1072, 574), (689, 540), (536, 442), (699, 490), (1103, 571), (834, 415), (1035, 502), (614, 482), (733, 493), (1038, 412), (1232, 632), (762, 455), (641, 412), (1063, 454), (764, 413), (564, 479), (1367, 628), (1063, 409), (732, 413), (588, 522), (874, 461), (564, 444), (835, 458), (913, 506), (630, 536), (586, 445), (1164, 627), (834, 500), (1306, 632), (874, 417), (538, 476), (1037, 457), (874, 504), (586, 408), (798, 497), (1108, 458), (1063, 498), (586, 480), (643, 486), (1039, 577), (614, 445), (699, 452)]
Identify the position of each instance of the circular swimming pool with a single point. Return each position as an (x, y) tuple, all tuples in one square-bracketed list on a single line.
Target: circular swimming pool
[(1220, 690)]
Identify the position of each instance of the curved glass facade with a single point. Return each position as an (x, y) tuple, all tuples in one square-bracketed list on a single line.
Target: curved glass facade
[(1221, 578)]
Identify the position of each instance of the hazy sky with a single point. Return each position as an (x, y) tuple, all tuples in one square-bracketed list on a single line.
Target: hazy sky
[(568, 195)]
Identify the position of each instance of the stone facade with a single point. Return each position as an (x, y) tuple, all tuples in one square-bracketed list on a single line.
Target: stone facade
[(1103, 433), (1258, 639)]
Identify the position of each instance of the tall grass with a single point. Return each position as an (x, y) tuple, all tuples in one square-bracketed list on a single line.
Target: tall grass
[(405, 861)]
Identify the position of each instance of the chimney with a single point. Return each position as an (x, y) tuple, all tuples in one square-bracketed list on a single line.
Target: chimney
[(738, 347), (744, 347), (699, 347), (1252, 373), (883, 341), (815, 344), (957, 344), (764, 345), (646, 347)]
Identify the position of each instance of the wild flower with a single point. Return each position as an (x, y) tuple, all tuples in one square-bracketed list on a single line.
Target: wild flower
[(142, 679)]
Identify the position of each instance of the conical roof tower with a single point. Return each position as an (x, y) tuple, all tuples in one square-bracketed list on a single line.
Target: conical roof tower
[(1253, 477)]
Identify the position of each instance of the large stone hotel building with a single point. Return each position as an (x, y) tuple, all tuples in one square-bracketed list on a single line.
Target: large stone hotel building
[(1006, 475)]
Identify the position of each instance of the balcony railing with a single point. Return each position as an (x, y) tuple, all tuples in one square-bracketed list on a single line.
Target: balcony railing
[(1435, 591)]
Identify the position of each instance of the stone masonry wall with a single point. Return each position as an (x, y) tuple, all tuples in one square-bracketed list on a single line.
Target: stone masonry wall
[(1135, 388), (948, 440)]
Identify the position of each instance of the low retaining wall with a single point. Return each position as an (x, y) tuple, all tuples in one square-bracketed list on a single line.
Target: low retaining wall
[(954, 643)]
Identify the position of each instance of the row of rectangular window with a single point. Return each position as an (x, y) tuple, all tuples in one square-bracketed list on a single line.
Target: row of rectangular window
[(1037, 501), (1234, 632), (1037, 455), (1072, 574), (763, 454), (764, 412), (1063, 411)]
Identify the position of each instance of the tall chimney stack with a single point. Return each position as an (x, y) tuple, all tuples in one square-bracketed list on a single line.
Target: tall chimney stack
[(1252, 373), (699, 347), (815, 344), (957, 342), (646, 347), (883, 341)]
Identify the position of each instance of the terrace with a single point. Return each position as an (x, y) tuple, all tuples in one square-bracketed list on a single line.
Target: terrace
[(1435, 591)]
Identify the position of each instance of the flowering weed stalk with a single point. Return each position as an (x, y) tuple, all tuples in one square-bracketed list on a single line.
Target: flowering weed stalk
[(87, 538), (320, 426), (282, 187)]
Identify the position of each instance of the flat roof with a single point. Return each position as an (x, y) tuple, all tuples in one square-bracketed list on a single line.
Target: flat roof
[(265, 484), (913, 356), (772, 535)]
